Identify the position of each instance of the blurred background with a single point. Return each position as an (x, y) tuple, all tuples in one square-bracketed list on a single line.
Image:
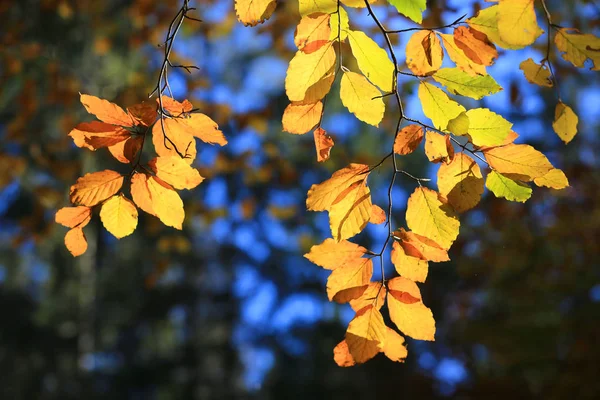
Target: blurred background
[(228, 307)]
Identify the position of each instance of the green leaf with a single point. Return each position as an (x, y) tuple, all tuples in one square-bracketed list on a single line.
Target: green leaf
[(412, 9), (372, 60), (487, 128), (437, 106), (459, 82), (507, 188)]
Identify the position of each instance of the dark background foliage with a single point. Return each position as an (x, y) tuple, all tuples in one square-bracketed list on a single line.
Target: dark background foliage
[(228, 308)]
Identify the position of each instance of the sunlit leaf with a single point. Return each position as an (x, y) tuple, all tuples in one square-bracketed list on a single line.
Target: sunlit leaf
[(437, 106), (76, 242), (323, 195), (174, 140), (106, 111), (377, 215), (424, 53), (301, 118), (306, 70), (461, 182), (487, 128), (438, 147), (119, 216), (517, 22), (420, 246), (459, 57), (254, 12), (349, 215), (407, 310), (578, 48), (408, 139), (141, 193), (459, 82), (323, 144), (374, 295), (95, 187), (394, 347), (554, 179), (366, 334), (475, 45), (361, 98), (412, 9), (312, 32), (307, 7), (339, 25), (372, 60), (353, 277), (127, 151), (342, 356), (565, 122), (486, 21), (166, 203), (332, 254), (95, 135), (176, 172), (507, 188), (520, 160), (536, 73), (407, 265), (72, 217)]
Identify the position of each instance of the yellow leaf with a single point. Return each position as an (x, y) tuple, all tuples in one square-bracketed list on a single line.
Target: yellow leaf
[(339, 25), (119, 216), (361, 98), (408, 139), (95, 135), (254, 12), (166, 203), (374, 295), (459, 125), (394, 347), (412, 9), (323, 144), (554, 179), (519, 160), (95, 187), (407, 265), (350, 215), (407, 310), (486, 21), (428, 216), (461, 182), (73, 217), (475, 45), (320, 89), (301, 118), (175, 140), (438, 147), (323, 195), (366, 334), (577, 48), (176, 172), (306, 70), (141, 193), (420, 246), (354, 275), (76, 242), (106, 111), (517, 23), (536, 73), (437, 106), (312, 32), (459, 82), (202, 127), (424, 53), (307, 7), (507, 188), (372, 60), (356, 3), (377, 215), (565, 122), (342, 356), (459, 57), (331, 254), (487, 128)]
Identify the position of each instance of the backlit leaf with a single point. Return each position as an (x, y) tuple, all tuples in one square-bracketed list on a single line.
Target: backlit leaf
[(306, 70), (459, 57), (175, 140), (95, 187), (374, 295), (507, 188), (377, 215), (475, 45), (424, 53), (323, 195), (339, 25), (394, 347), (554, 179), (307, 7), (301, 118), (520, 160), (141, 193), (366, 334), (127, 151), (312, 32), (323, 144), (517, 22), (420, 246), (166, 203), (106, 111), (254, 12), (95, 135), (459, 82), (76, 242), (437, 106), (565, 122), (487, 128), (354, 275), (372, 60), (461, 182), (408, 139), (438, 147), (72, 217), (176, 172), (349, 215), (407, 265), (412, 9), (119, 216), (143, 114), (577, 47), (428, 216), (407, 310), (331, 254), (536, 73), (342, 356), (361, 98), (486, 21)]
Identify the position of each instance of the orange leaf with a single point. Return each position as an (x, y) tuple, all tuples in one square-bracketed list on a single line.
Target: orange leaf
[(141, 193), (323, 195), (173, 107), (127, 151), (176, 172), (394, 347), (323, 144), (106, 111), (366, 334), (438, 147), (166, 203), (94, 135), (377, 215), (408, 139), (312, 32), (76, 242), (351, 211), (204, 128), (72, 217), (407, 310), (374, 295), (475, 45), (143, 113), (175, 140), (331, 254), (254, 12), (420, 246), (301, 118), (424, 53), (342, 356), (93, 188), (459, 57)]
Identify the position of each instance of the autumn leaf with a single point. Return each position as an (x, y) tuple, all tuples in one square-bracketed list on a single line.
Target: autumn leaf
[(76, 242), (459, 57), (127, 151), (461, 182), (424, 53), (320, 89), (119, 216), (536, 73), (307, 7), (437, 106), (486, 21), (408, 139), (73, 217), (356, 3), (487, 128), (166, 203), (520, 160), (350, 280), (374, 295), (361, 98), (254, 12), (176, 172), (366, 334), (475, 45), (143, 114), (342, 356), (332, 254), (412, 9), (106, 111), (578, 48), (407, 265), (428, 216), (407, 310), (173, 107), (373, 61), (323, 195), (554, 179), (95, 135), (339, 25), (141, 193), (350, 214), (565, 122), (306, 70), (420, 246), (323, 144), (438, 147), (377, 215), (510, 189), (95, 187), (459, 82), (172, 138), (313, 32), (301, 118), (517, 22), (394, 347)]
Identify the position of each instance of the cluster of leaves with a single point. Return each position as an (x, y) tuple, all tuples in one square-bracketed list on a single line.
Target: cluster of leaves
[(153, 184), (456, 138)]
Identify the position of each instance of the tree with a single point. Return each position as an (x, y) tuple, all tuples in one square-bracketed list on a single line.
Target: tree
[(371, 75)]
